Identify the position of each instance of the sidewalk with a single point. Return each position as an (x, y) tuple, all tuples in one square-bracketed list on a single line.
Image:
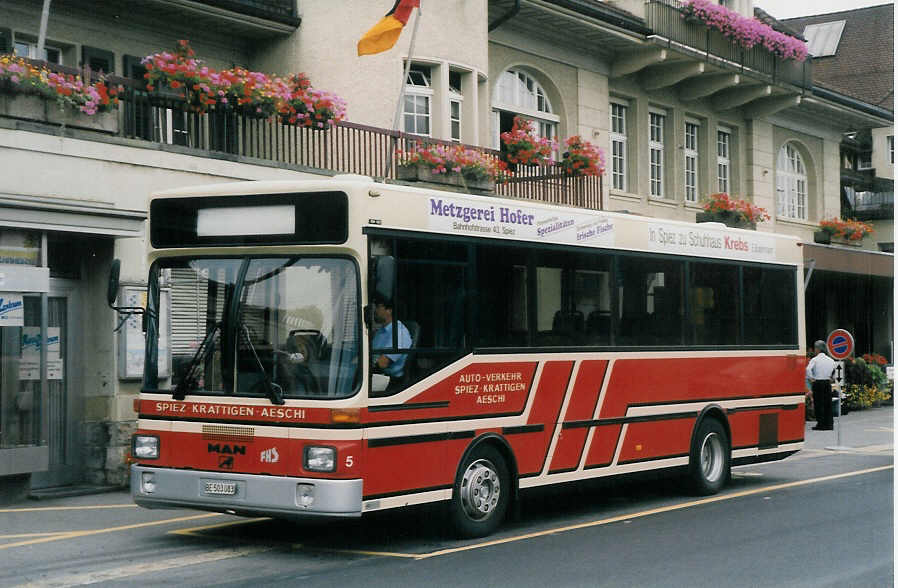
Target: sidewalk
[(862, 430)]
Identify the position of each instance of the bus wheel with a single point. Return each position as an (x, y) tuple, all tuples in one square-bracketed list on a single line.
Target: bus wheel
[(481, 493), (709, 458)]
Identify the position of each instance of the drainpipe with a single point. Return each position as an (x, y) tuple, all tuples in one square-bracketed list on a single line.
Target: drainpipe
[(507, 16)]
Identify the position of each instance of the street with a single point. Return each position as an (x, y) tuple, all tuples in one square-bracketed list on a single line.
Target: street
[(819, 518)]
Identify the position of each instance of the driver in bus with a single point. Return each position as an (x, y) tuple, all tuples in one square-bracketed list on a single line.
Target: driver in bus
[(390, 364)]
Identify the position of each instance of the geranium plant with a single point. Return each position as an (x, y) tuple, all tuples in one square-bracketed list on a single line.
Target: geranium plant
[(522, 145), (248, 92), (721, 204), (746, 32), (582, 158), (850, 230), (21, 76), (445, 159)]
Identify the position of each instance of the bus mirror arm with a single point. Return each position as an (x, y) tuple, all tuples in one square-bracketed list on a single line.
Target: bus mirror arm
[(112, 294)]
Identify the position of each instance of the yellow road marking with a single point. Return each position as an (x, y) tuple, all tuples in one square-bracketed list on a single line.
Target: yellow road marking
[(357, 551), (132, 570), (23, 535), (74, 534), (193, 531), (48, 508), (653, 511)]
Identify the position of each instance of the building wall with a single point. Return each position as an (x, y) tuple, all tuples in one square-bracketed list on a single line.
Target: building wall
[(882, 157), (452, 32)]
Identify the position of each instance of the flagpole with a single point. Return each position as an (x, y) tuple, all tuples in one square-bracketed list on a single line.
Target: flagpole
[(406, 69)]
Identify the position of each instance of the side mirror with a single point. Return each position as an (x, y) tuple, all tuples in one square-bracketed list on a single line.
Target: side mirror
[(112, 286), (384, 276)]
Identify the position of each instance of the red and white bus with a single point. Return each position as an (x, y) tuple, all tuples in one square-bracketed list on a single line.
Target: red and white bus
[(539, 344)]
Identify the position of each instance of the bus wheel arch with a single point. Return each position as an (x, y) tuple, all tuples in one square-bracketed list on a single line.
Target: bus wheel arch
[(710, 451), (485, 487)]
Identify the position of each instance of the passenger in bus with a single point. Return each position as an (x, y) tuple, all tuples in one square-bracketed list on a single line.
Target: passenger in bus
[(390, 364)]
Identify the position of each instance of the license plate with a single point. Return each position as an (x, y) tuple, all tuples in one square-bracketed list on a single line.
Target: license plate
[(220, 488)]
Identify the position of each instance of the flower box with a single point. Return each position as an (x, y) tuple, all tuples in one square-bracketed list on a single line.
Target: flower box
[(25, 106), (106, 122), (422, 173), (822, 237), (727, 217)]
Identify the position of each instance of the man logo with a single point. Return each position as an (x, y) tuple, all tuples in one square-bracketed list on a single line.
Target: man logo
[(226, 449), (269, 456), (226, 462)]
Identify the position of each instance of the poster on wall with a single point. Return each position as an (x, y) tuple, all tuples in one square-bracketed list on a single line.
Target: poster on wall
[(30, 361), (19, 248), (12, 310)]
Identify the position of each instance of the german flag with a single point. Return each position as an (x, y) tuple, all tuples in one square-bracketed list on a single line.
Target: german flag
[(385, 33)]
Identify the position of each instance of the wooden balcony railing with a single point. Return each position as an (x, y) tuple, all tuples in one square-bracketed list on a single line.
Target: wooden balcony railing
[(666, 19), (344, 148)]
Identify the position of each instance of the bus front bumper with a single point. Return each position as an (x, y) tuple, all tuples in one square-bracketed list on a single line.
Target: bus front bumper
[(245, 494)]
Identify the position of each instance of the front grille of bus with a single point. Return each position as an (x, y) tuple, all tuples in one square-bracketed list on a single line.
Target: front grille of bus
[(228, 433)]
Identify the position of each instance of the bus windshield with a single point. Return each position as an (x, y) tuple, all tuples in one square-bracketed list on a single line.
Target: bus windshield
[(276, 327)]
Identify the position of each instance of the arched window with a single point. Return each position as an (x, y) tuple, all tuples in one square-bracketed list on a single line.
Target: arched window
[(791, 184), (519, 94)]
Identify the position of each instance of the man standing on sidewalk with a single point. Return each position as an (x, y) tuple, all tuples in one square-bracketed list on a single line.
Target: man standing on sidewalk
[(819, 371)]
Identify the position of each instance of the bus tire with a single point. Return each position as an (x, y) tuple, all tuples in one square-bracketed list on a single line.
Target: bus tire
[(481, 494), (709, 458)]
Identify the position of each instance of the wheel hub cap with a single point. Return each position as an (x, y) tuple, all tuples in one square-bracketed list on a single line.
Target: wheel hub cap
[(480, 489)]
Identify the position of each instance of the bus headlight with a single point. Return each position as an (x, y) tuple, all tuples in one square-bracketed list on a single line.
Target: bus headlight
[(145, 447), (320, 459)]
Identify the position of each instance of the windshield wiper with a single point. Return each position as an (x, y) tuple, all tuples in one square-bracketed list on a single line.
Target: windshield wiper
[(274, 392), (190, 381)]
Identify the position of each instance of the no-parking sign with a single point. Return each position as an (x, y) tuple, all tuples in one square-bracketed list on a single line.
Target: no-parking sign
[(840, 344)]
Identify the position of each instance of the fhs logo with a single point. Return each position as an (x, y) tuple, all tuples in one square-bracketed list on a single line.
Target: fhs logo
[(269, 456)]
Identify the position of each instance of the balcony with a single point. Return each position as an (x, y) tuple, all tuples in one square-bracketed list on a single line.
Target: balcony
[(166, 123), (868, 206), (693, 38), (250, 18)]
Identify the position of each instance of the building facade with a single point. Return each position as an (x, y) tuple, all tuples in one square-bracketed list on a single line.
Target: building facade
[(679, 112)]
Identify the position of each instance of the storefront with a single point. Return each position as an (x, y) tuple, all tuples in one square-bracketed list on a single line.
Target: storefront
[(851, 289), (52, 258)]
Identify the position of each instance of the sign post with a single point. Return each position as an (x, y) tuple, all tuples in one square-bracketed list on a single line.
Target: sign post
[(840, 345)]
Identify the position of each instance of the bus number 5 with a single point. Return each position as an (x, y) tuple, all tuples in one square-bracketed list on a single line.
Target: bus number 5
[(349, 461)]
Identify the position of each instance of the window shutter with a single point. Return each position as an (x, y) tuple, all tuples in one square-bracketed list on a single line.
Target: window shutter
[(132, 67), (98, 59), (5, 40)]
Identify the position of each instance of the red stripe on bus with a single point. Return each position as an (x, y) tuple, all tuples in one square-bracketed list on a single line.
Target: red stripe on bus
[(656, 439), (532, 449), (641, 381), (604, 442), (581, 406)]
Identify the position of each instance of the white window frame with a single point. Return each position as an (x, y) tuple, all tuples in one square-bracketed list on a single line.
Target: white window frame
[(724, 159), (455, 100), (691, 130), (418, 93), (791, 184), (528, 99), (657, 120), (31, 51), (617, 135)]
